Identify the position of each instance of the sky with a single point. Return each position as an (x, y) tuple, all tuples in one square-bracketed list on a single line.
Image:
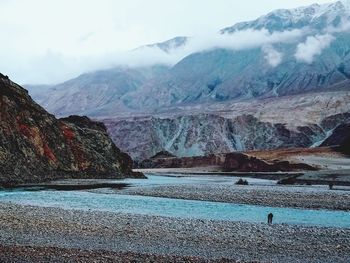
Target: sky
[(50, 41)]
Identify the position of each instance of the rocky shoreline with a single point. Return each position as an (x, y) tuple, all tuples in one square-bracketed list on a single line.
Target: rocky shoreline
[(51, 233)]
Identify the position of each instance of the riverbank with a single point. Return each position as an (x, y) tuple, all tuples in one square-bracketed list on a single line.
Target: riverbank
[(164, 238), (311, 197)]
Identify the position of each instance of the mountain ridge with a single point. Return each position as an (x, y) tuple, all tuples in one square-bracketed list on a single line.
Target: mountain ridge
[(224, 74)]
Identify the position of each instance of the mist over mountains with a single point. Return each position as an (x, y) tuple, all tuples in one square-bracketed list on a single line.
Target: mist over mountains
[(286, 53)]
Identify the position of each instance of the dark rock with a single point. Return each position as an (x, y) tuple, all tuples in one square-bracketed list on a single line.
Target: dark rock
[(3, 76), (345, 146), (35, 146), (242, 182), (339, 135)]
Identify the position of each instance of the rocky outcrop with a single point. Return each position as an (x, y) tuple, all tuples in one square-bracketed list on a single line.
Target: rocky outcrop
[(246, 163), (230, 162), (35, 146)]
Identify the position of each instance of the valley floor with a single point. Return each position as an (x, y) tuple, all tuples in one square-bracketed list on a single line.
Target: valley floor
[(30, 233), (34, 234)]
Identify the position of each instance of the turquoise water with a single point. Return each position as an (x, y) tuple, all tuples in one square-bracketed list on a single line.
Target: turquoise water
[(176, 207), (154, 180)]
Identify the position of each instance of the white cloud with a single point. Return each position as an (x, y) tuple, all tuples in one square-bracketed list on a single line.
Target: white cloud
[(54, 66), (245, 39), (272, 56), (312, 47), (343, 27), (241, 40), (50, 41)]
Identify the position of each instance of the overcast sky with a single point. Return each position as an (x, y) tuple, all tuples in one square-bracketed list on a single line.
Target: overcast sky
[(48, 41)]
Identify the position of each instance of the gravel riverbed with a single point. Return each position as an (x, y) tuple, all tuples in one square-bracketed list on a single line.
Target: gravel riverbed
[(46, 234), (275, 196)]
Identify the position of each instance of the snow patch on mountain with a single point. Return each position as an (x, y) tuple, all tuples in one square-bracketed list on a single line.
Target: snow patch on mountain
[(314, 16)]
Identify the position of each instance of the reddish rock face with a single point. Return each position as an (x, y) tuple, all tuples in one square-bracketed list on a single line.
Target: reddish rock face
[(35, 146), (228, 162)]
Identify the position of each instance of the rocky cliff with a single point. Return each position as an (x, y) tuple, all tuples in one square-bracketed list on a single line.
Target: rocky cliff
[(35, 146), (198, 135), (204, 134)]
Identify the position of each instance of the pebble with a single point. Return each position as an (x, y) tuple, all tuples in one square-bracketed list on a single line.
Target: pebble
[(95, 235)]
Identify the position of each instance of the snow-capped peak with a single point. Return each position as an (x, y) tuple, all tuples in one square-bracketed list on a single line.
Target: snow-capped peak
[(314, 16)]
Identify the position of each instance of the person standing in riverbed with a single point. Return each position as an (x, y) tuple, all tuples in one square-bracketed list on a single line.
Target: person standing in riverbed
[(269, 218)]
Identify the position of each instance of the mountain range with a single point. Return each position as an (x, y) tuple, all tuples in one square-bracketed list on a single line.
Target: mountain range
[(262, 84)]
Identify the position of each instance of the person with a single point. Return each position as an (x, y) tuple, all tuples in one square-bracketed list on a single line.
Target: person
[(269, 218)]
